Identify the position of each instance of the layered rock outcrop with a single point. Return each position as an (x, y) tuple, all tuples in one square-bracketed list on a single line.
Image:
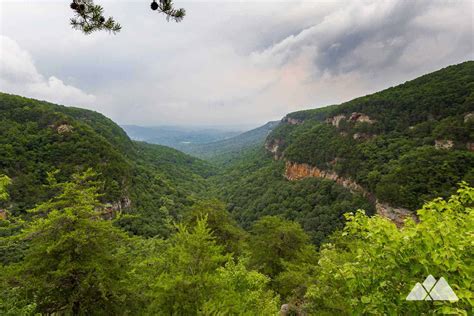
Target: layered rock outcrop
[(360, 117), (292, 121), (297, 171), (469, 117), (444, 144), (274, 147), (362, 136), (112, 209), (354, 117), (64, 129), (395, 214), (335, 120)]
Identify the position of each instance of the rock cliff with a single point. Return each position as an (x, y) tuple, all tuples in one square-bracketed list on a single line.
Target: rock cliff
[(291, 121), (297, 171), (444, 144), (354, 117), (274, 147)]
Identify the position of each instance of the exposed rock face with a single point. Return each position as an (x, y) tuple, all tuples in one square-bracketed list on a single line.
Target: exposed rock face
[(355, 117), (335, 120), (395, 214), (444, 144), (470, 146), (64, 128), (274, 146), (298, 171), (469, 117), (111, 209), (360, 117), (284, 310), (362, 136), (124, 203), (292, 121)]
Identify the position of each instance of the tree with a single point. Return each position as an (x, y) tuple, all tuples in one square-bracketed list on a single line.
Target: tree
[(74, 262), (190, 274), (224, 228), (281, 250), (4, 183), (372, 265), (89, 17), (185, 272), (273, 241), (241, 292)]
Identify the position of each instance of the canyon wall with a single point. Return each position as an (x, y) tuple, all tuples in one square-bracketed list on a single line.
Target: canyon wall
[(297, 171)]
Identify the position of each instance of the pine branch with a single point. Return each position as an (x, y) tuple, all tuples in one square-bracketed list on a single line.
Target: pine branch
[(89, 16), (166, 7)]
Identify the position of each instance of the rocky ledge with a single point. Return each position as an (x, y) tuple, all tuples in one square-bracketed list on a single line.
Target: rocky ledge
[(297, 171)]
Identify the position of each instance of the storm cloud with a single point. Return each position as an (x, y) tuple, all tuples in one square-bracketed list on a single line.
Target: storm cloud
[(236, 63)]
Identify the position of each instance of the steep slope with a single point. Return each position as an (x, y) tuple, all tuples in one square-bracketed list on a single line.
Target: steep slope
[(224, 150), (153, 183), (399, 147), (387, 153), (253, 186)]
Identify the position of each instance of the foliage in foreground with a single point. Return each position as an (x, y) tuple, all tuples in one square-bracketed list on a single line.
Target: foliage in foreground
[(69, 259), (372, 266), (73, 261)]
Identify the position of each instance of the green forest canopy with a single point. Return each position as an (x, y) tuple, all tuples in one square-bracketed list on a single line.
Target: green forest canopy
[(69, 259), (94, 223)]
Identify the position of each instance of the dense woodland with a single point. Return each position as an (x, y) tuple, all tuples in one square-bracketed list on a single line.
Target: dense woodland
[(394, 156), (253, 186), (92, 223), (151, 183)]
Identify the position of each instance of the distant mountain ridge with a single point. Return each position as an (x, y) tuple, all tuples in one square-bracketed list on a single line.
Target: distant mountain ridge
[(226, 149), (177, 137)]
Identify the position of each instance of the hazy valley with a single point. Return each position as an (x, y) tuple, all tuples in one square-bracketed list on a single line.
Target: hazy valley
[(271, 212)]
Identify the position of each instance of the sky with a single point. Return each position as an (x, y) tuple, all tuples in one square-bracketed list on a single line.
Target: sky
[(228, 63)]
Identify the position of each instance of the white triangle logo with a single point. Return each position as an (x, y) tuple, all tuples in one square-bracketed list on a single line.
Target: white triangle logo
[(432, 290), (443, 292)]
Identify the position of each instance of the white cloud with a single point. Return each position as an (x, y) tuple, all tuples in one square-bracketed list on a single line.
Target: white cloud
[(18, 75), (234, 62)]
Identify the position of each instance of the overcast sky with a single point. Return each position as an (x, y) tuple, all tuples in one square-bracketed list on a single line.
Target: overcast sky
[(239, 63)]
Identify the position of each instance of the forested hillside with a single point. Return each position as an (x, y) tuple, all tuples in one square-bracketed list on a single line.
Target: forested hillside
[(152, 183), (405, 145), (253, 186), (393, 150), (92, 223), (225, 151)]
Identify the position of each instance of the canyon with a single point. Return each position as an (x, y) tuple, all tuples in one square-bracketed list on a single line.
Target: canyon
[(297, 171)]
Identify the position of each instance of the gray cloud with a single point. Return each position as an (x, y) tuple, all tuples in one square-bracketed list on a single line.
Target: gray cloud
[(18, 74), (239, 62)]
